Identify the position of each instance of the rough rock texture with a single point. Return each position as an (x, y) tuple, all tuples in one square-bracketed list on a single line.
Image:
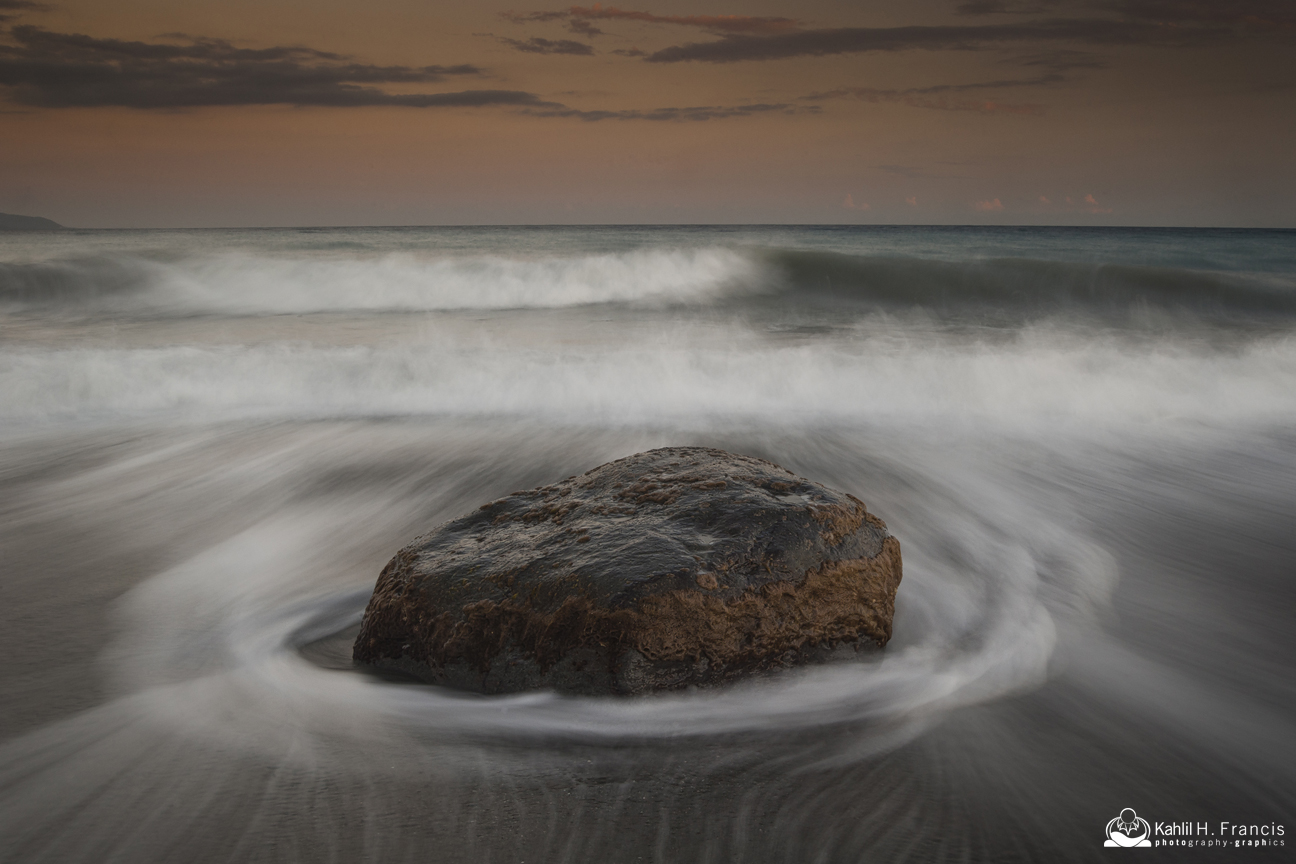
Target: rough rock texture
[(674, 567)]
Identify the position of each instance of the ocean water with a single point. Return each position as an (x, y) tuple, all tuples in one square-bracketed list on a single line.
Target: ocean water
[(211, 442)]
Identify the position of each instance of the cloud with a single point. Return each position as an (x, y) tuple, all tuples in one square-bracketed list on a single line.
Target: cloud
[(694, 114), (920, 98), (866, 92), (462, 99), (42, 68), (1253, 14), (579, 18), (992, 206), (718, 23), (63, 70), (583, 28), (524, 17), (1090, 22), (1257, 14), (912, 200), (934, 96), (536, 45), (849, 204), (857, 40), (1006, 7), (8, 8), (1091, 206)]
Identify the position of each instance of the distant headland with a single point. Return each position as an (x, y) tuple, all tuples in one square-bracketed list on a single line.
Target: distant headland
[(10, 222)]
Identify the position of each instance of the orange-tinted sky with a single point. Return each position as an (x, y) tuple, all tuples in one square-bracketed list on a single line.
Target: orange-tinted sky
[(162, 113)]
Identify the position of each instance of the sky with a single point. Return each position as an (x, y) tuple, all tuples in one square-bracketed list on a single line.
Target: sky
[(243, 113)]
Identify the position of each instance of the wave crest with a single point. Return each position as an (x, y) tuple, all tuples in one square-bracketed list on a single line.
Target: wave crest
[(242, 283)]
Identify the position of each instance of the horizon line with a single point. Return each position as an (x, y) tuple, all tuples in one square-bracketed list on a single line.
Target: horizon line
[(595, 225)]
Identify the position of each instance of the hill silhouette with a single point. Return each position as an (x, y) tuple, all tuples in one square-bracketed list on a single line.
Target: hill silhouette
[(10, 222)]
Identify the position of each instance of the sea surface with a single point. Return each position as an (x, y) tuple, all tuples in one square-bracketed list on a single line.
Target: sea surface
[(212, 441)]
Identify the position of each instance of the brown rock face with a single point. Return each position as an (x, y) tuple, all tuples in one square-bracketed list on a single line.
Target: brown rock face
[(675, 567)]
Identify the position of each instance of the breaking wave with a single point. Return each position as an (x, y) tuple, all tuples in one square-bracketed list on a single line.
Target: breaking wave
[(249, 284), (1042, 377), (246, 283)]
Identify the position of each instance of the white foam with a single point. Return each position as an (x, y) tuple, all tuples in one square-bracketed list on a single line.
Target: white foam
[(1040, 377), (239, 282)]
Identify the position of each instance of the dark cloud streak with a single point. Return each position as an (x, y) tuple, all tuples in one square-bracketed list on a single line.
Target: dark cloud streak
[(1253, 14), (857, 40), (537, 45), (694, 114), (1257, 14), (1052, 78), (1006, 7), (46, 69), (63, 70), (578, 18), (581, 27), (19, 7), (717, 23), (524, 17), (935, 97)]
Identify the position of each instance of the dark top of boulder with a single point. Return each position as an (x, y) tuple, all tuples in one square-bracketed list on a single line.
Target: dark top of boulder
[(630, 541)]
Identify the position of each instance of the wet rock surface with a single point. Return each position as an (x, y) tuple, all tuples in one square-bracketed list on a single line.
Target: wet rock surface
[(675, 567)]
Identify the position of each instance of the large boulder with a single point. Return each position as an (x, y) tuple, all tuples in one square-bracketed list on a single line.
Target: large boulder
[(675, 567)]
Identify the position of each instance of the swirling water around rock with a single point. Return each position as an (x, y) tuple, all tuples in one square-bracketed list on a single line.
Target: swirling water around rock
[(200, 494)]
